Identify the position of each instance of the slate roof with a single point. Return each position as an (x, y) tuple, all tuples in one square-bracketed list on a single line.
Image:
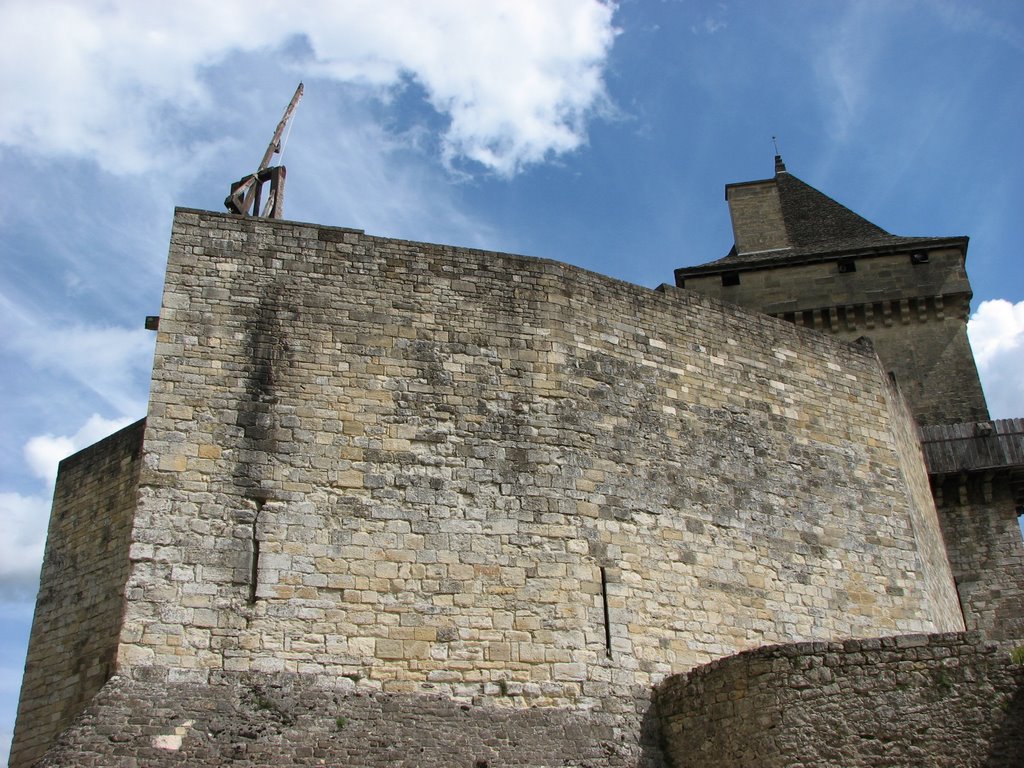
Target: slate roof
[(818, 229)]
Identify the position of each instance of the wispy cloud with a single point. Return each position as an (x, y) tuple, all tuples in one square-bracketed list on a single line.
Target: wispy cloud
[(846, 54), (351, 171), (112, 362), (982, 18), (712, 22), (123, 82)]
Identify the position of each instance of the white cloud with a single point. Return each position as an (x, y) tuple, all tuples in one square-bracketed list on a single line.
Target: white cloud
[(119, 82), (996, 331), (24, 520), (44, 452), (364, 177)]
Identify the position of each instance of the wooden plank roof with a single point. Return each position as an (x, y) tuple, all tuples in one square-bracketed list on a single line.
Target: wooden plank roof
[(973, 446)]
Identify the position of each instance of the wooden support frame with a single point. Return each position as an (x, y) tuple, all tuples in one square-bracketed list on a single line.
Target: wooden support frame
[(249, 192), (246, 192)]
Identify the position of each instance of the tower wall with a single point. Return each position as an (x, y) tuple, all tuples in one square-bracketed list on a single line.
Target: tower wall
[(437, 469), (73, 644), (914, 313)]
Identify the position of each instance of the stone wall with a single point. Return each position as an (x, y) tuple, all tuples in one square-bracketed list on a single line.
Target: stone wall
[(284, 720), (78, 610), (449, 470), (793, 286), (942, 700), (931, 357)]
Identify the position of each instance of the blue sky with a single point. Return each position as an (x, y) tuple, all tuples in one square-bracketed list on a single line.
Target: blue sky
[(600, 135)]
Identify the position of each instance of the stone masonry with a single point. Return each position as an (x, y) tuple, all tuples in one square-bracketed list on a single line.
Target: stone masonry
[(802, 257), (286, 720), (940, 700)]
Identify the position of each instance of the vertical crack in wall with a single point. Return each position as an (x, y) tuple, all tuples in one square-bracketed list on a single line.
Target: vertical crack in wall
[(254, 572), (607, 614)]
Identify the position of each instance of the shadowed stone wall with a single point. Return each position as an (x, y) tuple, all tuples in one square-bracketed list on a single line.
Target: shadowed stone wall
[(78, 610), (941, 700), (284, 720)]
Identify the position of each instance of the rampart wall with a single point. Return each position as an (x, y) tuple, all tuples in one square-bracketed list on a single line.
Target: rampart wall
[(73, 644), (927, 528), (941, 700), (481, 475)]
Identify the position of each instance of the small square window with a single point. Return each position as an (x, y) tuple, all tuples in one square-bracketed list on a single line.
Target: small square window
[(846, 266), (730, 278)]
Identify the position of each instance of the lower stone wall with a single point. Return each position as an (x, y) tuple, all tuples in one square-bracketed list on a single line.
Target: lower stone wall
[(286, 720), (912, 700)]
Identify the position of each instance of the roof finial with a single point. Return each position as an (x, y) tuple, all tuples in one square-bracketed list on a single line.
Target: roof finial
[(780, 167)]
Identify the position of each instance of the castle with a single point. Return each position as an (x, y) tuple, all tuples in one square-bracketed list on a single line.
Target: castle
[(397, 503)]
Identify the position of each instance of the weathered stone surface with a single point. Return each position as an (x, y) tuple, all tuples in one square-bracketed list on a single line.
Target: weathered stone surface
[(803, 257), (916, 316), (979, 517)]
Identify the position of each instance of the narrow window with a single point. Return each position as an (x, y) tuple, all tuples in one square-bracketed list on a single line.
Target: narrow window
[(607, 617)]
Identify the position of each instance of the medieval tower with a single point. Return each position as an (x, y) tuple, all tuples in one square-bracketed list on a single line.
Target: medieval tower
[(397, 503)]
